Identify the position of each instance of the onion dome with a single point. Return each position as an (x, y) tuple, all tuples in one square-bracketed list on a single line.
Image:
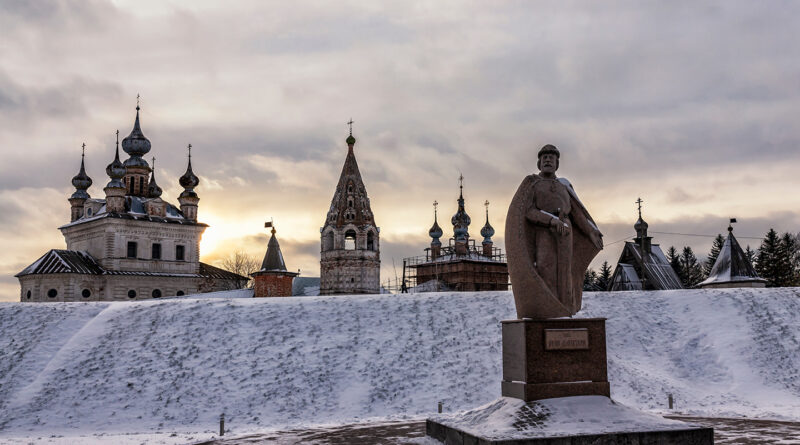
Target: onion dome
[(81, 181), (487, 232), (153, 190), (435, 232), (136, 144), (461, 220), (115, 170), (189, 180)]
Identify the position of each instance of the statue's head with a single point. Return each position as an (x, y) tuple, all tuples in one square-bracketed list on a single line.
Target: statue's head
[(548, 159)]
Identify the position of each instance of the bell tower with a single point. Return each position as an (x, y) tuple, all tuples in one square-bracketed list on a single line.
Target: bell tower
[(350, 241)]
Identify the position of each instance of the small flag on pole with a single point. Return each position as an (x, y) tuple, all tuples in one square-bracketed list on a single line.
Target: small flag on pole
[(268, 224), (733, 220)]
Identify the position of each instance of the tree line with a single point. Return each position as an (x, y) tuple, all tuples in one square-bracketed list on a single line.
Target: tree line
[(777, 260)]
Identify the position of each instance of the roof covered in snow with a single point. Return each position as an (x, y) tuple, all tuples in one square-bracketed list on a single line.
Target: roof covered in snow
[(135, 209), (658, 273), (732, 265), (63, 261), (80, 262)]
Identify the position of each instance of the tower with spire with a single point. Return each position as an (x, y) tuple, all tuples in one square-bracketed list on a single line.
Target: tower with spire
[(273, 280), (130, 245), (732, 267), (350, 240)]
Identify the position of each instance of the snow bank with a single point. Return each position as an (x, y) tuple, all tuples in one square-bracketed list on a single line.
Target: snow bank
[(175, 365)]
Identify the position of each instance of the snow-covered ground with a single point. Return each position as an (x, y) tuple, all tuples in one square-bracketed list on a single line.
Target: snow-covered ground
[(161, 367)]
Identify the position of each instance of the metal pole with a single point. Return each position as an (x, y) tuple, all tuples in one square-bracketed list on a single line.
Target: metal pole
[(222, 424), (440, 407), (670, 400)]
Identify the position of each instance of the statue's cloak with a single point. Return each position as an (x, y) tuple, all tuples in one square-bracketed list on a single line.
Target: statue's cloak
[(532, 296)]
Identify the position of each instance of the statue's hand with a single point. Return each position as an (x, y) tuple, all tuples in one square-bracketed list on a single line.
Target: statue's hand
[(597, 239), (559, 227)]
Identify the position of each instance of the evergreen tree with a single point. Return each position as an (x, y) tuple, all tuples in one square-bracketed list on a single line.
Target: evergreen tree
[(590, 280), (787, 260), (675, 261), (750, 254), (716, 246), (692, 271), (767, 262), (604, 277)]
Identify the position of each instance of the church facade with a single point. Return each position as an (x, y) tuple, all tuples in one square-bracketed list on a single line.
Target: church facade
[(132, 244), (350, 257)]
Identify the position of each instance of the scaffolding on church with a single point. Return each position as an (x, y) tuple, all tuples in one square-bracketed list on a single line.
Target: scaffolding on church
[(474, 270)]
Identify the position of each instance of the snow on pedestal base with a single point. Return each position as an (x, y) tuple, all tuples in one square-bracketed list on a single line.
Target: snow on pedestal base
[(595, 420)]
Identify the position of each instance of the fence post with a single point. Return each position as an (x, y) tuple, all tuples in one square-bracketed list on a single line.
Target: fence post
[(670, 401), (440, 407), (222, 424)]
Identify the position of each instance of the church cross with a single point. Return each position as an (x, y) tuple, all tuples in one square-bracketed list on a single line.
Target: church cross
[(350, 123), (137, 101), (435, 208), (190, 151), (639, 202), (83, 149)]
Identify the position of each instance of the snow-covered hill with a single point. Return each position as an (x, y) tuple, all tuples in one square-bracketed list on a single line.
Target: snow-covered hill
[(175, 365)]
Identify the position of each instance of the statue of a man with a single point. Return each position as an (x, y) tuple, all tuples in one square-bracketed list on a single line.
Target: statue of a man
[(550, 241)]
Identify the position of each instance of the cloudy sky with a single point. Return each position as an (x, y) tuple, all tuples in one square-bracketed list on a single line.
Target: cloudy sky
[(692, 106)]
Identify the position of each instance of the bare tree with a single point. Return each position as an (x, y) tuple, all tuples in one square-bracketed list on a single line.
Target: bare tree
[(242, 264)]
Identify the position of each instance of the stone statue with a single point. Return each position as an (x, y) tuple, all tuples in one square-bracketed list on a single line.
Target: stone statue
[(550, 241)]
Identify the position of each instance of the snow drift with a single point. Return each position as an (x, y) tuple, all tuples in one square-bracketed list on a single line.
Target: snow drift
[(176, 365)]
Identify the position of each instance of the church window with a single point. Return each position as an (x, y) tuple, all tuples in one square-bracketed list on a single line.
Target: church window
[(88, 211), (180, 293), (131, 293), (156, 293), (52, 293), (86, 293), (130, 185), (370, 241), (180, 253), (350, 203), (350, 188), (28, 295), (132, 247), (156, 251), (350, 240)]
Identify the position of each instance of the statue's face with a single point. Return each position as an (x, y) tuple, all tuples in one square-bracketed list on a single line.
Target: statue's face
[(548, 163)]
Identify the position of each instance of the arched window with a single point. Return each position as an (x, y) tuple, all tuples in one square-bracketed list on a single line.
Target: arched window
[(350, 240), (156, 293), (327, 241), (86, 293), (52, 293), (180, 293), (28, 295), (131, 293), (370, 241)]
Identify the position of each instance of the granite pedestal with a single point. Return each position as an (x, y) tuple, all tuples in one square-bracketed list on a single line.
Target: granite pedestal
[(561, 357)]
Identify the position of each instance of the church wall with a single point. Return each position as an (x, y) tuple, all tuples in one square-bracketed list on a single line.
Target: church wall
[(350, 272), (69, 287), (107, 240)]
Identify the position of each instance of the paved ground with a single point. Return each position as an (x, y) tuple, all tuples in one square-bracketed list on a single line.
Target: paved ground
[(726, 431)]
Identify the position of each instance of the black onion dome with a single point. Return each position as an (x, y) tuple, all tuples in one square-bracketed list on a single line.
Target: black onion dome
[(136, 144), (461, 220), (487, 231), (153, 190), (115, 170), (350, 140), (640, 225), (435, 232), (81, 182), (189, 180)]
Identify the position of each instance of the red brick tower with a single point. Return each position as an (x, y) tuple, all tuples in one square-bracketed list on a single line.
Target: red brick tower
[(273, 280)]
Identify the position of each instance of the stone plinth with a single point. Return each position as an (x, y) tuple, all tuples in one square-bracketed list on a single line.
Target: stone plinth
[(560, 357), (583, 420)]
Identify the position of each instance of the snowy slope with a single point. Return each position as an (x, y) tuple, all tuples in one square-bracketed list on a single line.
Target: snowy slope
[(175, 365)]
